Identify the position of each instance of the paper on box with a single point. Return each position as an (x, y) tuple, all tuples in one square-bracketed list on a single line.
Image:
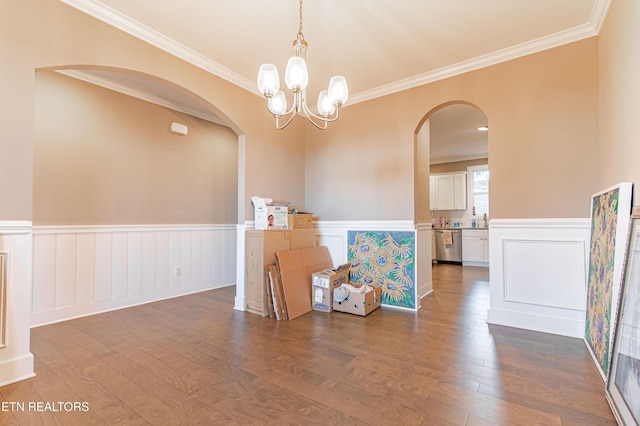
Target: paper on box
[(270, 214), (323, 284)]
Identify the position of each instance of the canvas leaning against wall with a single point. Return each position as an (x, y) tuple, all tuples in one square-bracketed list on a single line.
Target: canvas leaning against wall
[(610, 218), (623, 385), (385, 258)]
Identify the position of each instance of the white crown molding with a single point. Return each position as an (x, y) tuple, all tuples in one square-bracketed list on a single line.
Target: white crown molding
[(124, 23), (112, 17), (500, 56)]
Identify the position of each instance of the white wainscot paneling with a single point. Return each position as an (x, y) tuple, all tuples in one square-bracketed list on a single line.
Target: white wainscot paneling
[(80, 271), (423, 260), (16, 245), (538, 272)]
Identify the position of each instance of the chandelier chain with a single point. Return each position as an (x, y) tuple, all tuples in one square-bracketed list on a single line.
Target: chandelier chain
[(300, 36)]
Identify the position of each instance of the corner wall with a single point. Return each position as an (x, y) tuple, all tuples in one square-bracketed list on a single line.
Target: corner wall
[(619, 67)]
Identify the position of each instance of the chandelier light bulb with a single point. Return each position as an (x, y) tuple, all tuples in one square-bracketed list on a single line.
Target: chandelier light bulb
[(277, 104), (268, 80), (296, 76), (338, 90), (326, 107)]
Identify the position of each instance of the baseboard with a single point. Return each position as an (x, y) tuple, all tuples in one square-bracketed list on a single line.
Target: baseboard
[(545, 324), (15, 370)]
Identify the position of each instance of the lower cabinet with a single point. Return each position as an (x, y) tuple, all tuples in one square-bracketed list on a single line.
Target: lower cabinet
[(475, 247)]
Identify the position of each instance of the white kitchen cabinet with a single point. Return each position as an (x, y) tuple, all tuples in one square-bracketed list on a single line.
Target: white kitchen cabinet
[(448, 191), (475, 247)]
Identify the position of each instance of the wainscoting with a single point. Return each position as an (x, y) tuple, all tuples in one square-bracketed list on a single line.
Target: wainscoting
[(16, 360), (538, 274), (81, 270)]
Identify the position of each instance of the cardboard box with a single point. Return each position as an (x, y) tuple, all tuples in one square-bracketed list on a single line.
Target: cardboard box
[(260, 250), (300, 221), (296, 268), (269, 214), (323, 284), (359, 303)]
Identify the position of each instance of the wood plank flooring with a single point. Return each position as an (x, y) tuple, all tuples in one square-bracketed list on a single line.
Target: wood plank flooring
[(194, 360)]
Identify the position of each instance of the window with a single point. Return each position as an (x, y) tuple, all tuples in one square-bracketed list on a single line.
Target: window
[(478, 189)]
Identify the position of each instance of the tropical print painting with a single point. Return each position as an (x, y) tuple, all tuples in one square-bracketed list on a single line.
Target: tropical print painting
[(598, 325), (386, 259)]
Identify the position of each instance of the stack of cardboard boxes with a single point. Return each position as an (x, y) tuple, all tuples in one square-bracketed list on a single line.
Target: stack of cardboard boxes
[(290, 278)]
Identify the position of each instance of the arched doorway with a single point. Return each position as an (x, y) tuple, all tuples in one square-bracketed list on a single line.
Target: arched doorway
[(451, 183)]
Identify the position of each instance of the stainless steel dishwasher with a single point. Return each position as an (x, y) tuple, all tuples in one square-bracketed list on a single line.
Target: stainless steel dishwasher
[(449, 253)]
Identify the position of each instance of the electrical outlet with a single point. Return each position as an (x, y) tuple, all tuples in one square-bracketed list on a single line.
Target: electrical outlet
[(177, 270)]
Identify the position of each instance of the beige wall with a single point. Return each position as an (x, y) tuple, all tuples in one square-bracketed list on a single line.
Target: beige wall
[(106, 158), (619, 135), (46, 33), (543, 114), (542, 110)]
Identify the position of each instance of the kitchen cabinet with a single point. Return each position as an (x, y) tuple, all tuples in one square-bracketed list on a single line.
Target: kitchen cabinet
[(475, 247), (448, 191)]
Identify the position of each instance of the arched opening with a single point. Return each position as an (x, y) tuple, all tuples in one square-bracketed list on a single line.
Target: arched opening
[(125, 209), (452, 185)]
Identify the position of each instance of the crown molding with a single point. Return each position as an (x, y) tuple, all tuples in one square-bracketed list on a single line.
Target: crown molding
[(545, 43), (130, 26), (112, 17)]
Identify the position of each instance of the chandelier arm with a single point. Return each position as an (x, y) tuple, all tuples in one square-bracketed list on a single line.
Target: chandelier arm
[(289, 120), (329, 119)]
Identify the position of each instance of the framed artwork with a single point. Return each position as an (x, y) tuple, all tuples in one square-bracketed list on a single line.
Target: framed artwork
[(610, 219), (387, 259), (623, 385)]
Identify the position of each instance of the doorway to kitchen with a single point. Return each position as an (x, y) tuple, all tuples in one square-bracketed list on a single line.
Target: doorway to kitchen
[(458, 183)]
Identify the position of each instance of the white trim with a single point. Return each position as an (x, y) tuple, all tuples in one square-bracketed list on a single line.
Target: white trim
[(544, 43), (16, 370), (15, 227), (154, 38), (142, 32), (562, 223), (95, 229), (40, 319), (240, 301), (549, 298), (367, 225)]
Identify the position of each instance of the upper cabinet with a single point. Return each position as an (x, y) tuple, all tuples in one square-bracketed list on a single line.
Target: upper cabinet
[(448, 191)]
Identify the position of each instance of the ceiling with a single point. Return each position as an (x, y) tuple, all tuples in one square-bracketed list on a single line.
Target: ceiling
[(380, 46)]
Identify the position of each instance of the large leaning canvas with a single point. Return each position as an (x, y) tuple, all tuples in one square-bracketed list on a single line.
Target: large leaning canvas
[(610, 218), (623, 385), (387, 259)]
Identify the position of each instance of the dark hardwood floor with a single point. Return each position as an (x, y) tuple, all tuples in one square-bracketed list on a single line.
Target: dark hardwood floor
[(194, 360)]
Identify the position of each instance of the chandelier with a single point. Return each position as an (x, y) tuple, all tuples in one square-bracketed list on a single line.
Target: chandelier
[(296, 79)]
